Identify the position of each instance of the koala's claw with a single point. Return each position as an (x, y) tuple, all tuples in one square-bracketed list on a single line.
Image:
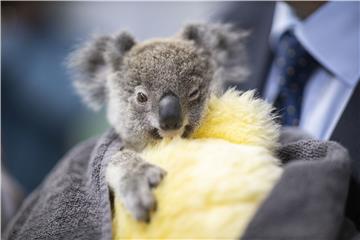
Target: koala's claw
[(155, 175), (138, 196)]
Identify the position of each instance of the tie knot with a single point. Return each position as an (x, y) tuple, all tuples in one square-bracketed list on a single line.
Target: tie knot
[(291, 55)]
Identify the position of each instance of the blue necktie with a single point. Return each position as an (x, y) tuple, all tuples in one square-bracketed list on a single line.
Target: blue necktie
[(295, 66)]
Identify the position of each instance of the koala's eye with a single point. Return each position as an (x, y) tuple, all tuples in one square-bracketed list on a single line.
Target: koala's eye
[(141, 97), (194, 94)]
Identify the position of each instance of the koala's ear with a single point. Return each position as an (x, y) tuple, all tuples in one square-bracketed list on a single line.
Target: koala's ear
[(226, 46), (91, 63)]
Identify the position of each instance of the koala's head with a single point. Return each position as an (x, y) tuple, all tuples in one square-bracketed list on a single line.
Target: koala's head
[(157, 88)]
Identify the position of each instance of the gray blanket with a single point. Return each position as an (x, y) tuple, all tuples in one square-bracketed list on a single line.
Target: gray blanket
[(307, 203)]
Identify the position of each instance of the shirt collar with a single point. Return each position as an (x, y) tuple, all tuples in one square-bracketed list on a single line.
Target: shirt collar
[(331, 35)]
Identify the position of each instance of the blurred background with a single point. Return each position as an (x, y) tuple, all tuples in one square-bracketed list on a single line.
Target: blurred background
[(42, 117)]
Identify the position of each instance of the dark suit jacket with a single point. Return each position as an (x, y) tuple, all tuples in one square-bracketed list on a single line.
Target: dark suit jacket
[(257, 17)]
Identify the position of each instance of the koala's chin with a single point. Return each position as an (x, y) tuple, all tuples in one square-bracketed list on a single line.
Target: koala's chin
[(158, 133), (172, 133)]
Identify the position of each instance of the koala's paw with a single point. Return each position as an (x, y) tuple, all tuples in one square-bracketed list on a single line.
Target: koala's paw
[(136, 190)]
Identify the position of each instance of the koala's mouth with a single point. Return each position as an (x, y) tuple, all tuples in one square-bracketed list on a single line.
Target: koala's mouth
[(184, 132), (171, 133)]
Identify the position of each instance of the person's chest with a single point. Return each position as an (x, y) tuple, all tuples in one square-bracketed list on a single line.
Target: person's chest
[(329, 88), (324, 100)]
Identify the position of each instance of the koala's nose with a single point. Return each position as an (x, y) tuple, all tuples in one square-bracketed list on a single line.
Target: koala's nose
[(170, 114)]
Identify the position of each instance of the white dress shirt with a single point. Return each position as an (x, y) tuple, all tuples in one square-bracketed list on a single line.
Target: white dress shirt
[(332, 36)]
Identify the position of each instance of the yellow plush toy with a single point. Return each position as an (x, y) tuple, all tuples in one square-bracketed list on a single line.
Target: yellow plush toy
[(216, 179)]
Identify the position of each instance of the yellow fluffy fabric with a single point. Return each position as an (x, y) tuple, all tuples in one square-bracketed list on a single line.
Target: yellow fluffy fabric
[(216, 180)]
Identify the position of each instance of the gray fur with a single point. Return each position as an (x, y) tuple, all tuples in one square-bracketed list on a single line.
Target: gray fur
[(91, 64), (227, 49), (111, 71)]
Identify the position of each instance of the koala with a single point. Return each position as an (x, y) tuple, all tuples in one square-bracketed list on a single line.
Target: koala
[(153, 90)]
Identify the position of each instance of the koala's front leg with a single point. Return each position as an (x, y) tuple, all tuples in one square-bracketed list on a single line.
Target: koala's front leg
[(132, 179)]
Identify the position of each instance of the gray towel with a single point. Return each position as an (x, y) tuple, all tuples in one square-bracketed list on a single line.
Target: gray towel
[(73, 200), (309, 200), (307, 203)]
